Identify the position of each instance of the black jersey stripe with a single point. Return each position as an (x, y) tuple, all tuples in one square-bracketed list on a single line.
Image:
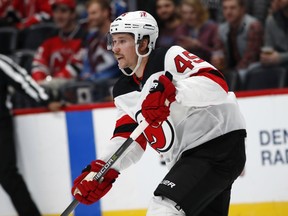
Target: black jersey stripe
[(125, 128)]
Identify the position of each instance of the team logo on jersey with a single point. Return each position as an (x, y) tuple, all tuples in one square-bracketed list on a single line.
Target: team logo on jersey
[(161, 138)]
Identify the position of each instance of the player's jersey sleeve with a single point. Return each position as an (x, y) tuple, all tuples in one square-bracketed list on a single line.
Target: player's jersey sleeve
[(125, 125), (198, 83)]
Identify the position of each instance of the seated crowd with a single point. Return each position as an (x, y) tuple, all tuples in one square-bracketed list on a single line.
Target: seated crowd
[(62, 43)]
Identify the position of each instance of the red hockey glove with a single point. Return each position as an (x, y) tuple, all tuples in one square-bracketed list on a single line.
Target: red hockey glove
[(87, 190), (154, 109)]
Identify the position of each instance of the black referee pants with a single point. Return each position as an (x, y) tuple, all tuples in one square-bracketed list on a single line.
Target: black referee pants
[(10, 179)]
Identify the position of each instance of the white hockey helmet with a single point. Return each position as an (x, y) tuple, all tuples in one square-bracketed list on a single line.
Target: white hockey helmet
[(140, 24)]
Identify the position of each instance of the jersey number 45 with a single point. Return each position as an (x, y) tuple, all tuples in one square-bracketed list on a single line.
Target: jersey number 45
[(186, 61)]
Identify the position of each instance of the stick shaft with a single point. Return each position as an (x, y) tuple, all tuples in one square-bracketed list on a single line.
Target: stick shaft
[(70, 208), (136, 133)]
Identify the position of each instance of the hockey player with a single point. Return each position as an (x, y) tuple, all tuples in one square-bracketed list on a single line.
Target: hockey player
[(200, 134)]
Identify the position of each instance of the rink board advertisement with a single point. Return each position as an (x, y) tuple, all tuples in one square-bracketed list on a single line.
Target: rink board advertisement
[(53, 148)]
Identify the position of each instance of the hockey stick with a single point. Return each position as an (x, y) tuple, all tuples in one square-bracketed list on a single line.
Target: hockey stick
[(133, 136)]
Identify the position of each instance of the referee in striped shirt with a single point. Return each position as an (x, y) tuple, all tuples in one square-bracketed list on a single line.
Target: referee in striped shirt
[(11, 74)]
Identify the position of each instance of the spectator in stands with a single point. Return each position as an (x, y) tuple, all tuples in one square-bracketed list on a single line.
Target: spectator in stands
[(258, 9), (93, 62), (118, 7), (275, 51), (57, 51), (11, 180), (240, 39), (197, 34), (98, 63), (23, 14), (169, 20)]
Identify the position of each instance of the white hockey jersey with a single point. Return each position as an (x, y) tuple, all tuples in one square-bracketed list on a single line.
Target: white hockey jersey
[(203, 110)]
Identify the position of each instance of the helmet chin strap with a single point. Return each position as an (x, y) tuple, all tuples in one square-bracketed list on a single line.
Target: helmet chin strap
[(127, 71), (139, 60)]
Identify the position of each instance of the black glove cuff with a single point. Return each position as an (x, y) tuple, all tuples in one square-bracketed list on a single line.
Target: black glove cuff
[(157, 86), (87, 169)]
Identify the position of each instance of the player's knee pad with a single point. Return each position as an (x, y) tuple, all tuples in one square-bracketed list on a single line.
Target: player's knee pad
[(162, 206)]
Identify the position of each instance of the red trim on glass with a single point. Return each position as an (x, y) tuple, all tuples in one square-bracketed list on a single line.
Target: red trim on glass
[(257, 93), (80, 107), (74, 107)]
